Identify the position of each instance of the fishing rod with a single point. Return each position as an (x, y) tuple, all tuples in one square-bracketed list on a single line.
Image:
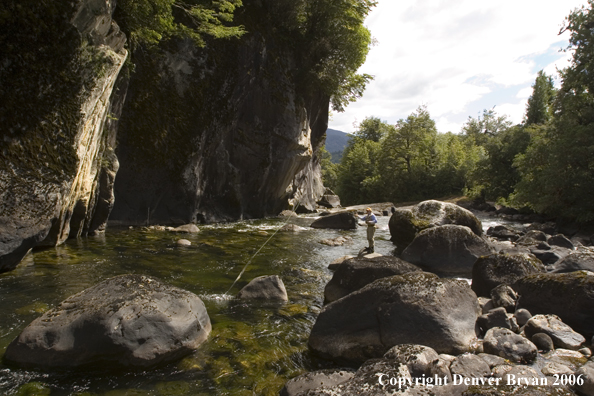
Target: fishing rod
[(261, 247)]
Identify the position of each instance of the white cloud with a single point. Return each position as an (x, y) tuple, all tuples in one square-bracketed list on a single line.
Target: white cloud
[(455, 56)]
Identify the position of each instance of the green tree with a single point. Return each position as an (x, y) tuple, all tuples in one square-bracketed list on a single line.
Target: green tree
[(480, 129), (540, 103), (558, 167), (329, 169), (357, 180), (148, 22)]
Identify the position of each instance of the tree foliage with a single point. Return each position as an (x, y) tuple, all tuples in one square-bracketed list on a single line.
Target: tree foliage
[(148, 22), (540, 103)]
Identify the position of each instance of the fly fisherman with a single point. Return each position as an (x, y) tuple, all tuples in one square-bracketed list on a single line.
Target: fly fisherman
[(371, 221)]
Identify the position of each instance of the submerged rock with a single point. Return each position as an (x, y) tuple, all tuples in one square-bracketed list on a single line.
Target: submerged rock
[(129, 320), (414, 308)]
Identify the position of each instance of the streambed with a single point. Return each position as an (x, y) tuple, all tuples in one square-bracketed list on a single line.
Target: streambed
[(253, 348)]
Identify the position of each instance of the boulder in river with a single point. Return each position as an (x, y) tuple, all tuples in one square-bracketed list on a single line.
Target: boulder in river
[(269, 288), (509, 345), (562, 335), (355, 273), (569, 296), (575, 262), (493, 270), (406, 223), (339, 221), (128, 320), (449, 249), (414, 308)]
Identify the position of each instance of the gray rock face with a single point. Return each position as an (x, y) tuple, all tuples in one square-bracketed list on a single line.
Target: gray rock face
[(330, 201), (355, 273), (406, 223), (496, 269), (56, 137), (314, 380), (129, 320), (565, 295), (414, 308), (269, 288), (509, 345), (575, 262), (449, 249), (340, 221), (242, 138), (562, 335)]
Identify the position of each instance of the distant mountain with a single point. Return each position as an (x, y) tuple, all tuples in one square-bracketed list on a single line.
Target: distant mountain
[(336, 141)]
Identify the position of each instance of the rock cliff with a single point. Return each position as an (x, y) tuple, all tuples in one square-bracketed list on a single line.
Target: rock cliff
[(219, 133), (59, 69)]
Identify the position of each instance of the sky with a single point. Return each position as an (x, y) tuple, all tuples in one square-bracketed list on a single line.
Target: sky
[(457, 57)]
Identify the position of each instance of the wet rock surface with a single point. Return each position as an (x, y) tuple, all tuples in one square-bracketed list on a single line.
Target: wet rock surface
[(129, 320)]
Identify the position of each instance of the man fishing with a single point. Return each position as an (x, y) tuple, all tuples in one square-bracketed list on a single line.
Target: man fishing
[(371, 221)]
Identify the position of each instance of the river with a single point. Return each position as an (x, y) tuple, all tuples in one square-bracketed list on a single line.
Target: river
[(253, 348)]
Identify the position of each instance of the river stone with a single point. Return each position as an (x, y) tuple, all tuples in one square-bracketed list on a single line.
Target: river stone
[(417, 358), (183, 242), (504, 296), (522, 316), (515, 390), (532, 237), (316, 379), (291, 228), (509, 345), (355, 273), (575, 262), (501, 268), (562, 335), (128, 320), (404, 224), (265, 287), (470, 366), (587, 374), (543, 342), (566, 295), (549, 257), (449, 249), (414, 308), (560, 240), (497, 317), (553, 368), (491, 360), (187, 228), (503, 233), (339, 221)]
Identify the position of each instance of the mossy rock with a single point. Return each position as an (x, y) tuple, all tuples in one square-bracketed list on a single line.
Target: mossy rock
[(493, 270)]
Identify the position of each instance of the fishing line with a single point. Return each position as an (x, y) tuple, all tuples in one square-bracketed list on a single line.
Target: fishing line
[(261, 247)]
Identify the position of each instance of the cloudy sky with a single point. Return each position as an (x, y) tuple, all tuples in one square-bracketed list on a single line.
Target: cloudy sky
[(457, 57)]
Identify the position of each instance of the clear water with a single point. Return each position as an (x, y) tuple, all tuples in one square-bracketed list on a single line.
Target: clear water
[(253, 348)]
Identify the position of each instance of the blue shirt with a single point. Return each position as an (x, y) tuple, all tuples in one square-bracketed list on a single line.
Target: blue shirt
[(369, 217)]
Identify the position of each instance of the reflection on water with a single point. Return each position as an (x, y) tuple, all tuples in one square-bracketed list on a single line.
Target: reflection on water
[(253, 348)]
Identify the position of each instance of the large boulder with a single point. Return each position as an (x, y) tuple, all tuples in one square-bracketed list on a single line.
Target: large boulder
[(414, 308), (340, 221), (569, 296), (316, 379), (575, 262), (128, 320), (355, 273), (562, 335), (509, 345), (496, 269), (267, 287), (449, 249), (406, 223)]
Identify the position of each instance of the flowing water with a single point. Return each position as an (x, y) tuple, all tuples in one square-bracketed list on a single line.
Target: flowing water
[(253, 347)]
